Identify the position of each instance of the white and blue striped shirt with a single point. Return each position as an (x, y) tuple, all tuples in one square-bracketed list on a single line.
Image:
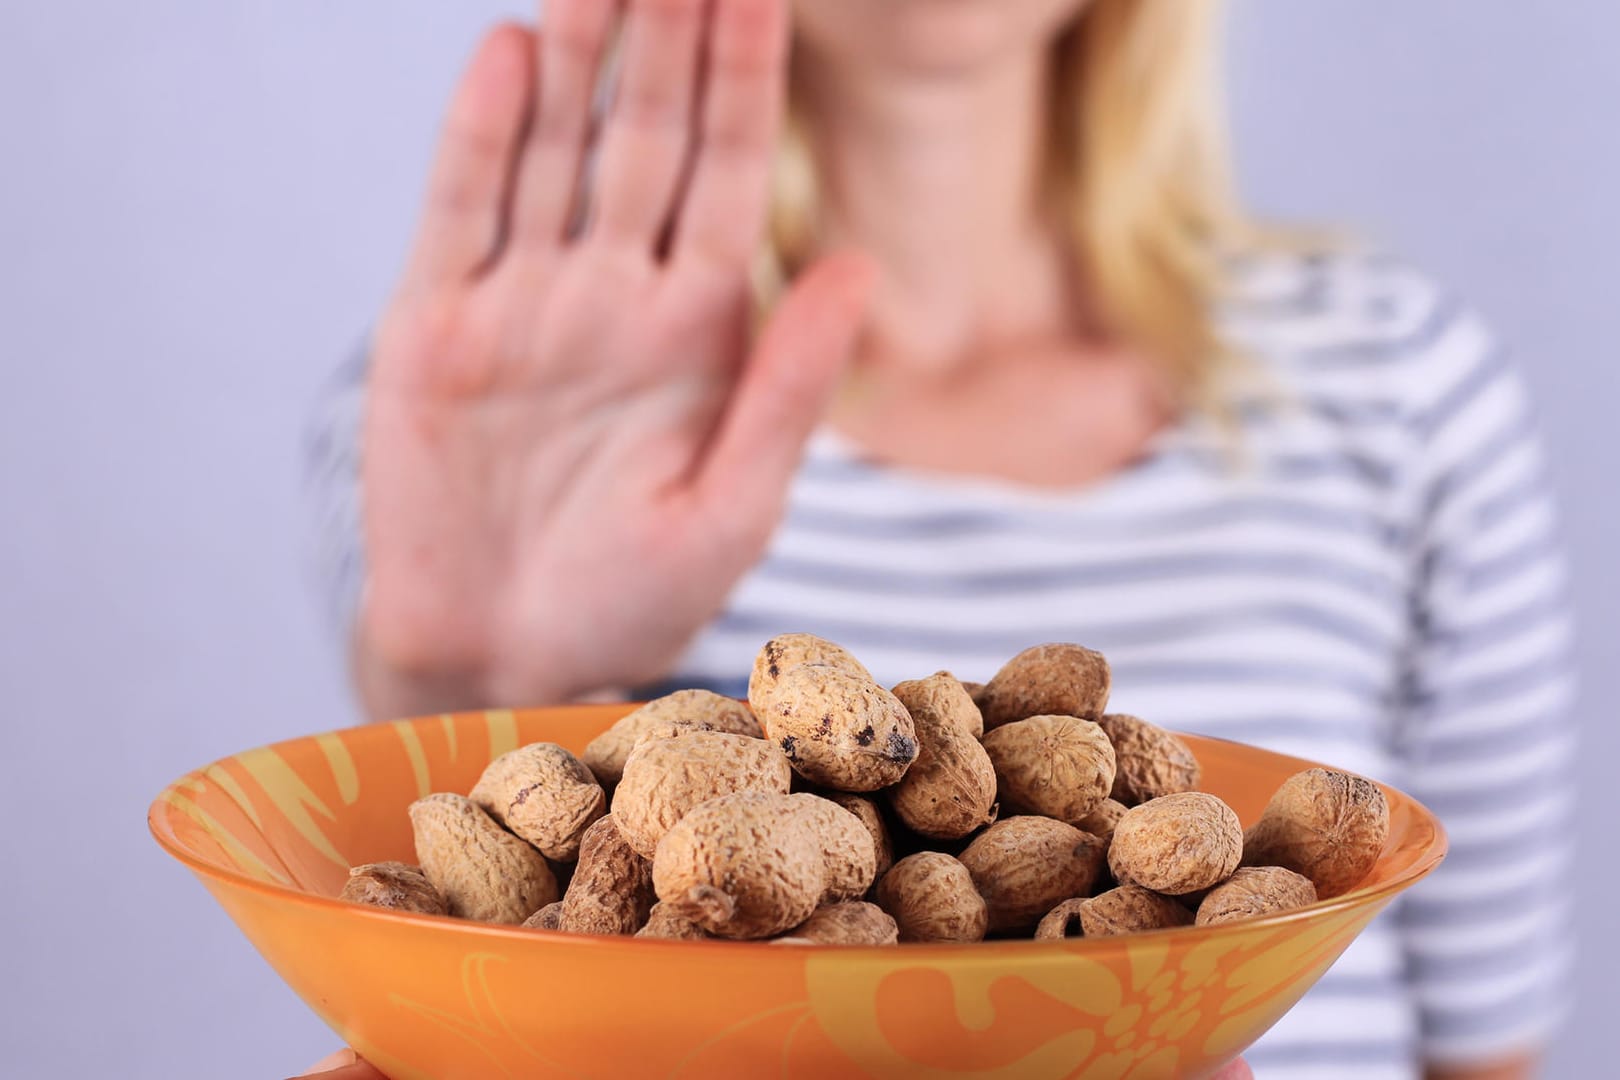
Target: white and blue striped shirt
[(1372, 579)]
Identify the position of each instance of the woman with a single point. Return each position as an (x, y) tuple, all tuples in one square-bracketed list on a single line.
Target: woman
[(1032, 376)]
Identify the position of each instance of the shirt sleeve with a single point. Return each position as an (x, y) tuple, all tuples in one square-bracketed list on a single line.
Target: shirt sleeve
[(1488, 734), (335, 549)]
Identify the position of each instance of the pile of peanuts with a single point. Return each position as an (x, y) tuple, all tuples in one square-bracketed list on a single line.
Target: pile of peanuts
[(1015, 807)]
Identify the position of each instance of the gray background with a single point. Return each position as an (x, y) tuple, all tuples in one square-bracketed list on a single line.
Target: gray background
[(200, 208)]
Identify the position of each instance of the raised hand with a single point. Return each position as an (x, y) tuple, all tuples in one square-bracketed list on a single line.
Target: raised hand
[(573, 446)]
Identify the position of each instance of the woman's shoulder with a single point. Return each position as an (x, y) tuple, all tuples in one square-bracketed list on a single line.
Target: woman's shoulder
[(1358, 326)]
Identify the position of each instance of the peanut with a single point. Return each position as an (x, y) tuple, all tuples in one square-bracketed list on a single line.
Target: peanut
[(1101, 821), (395, 886), (1024, 866), (483, 871), (547, 918), (664, 922), (1254, 891), (605, 754), (1176, 844), (1149, 761), (852, 922), (753, 864), (950, 790), (611, 891), (1329, 826), (1061, 922), (931, 897), (1047, 680), (975, 691), (544, 794), (1130, 909), (870, 816), (847, 846), (840, 730), (1056, 766), (665, 778), (787, 652)]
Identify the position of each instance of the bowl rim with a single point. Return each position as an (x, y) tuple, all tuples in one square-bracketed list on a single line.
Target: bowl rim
[(1429, 856)]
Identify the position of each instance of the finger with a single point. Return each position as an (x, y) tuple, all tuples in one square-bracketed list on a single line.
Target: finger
[(461, 223), (573, 38), (343, 1065), (649, 128), (1237, 1070), (357, 1071), (724, 213), (787, 385)]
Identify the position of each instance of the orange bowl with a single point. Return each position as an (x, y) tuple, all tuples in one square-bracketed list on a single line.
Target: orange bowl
[(272, 833)]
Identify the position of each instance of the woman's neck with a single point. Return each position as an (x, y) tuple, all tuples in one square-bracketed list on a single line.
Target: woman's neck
[(941, 181)]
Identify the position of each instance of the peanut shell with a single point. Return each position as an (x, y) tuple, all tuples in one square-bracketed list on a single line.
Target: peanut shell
[(1101, 821), (932, 898), (482, 871), (1056, 766), (1176, 844), (1328, 825), (1025, 866), (950, 790), (1254, 891), (1130, 909), (544, 794), (665, 778), (870, 816), (847, 846), (393, 885), (787, 652), (611, 891), (664, 922), (749, 865), (605, 754), (975, 691), (839, 730), (546, 918), (851, 922), (1149, 761), (1061, 922), (1047, 680)]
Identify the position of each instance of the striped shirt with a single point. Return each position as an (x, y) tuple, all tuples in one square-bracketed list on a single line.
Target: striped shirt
[(1368, 576)]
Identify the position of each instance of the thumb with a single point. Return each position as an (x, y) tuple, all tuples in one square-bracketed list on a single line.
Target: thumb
[(787, 384), (343, 1065)]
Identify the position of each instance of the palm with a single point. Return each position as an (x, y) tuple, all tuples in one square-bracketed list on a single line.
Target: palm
[(571, 452)]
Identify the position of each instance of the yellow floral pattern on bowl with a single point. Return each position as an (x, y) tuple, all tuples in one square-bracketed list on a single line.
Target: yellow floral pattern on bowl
[(271, 833)]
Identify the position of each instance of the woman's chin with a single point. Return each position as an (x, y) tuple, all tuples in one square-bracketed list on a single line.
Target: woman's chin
[(937, 38)]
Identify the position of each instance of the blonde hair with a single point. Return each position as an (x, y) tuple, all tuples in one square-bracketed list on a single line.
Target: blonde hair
[(1137, 174)]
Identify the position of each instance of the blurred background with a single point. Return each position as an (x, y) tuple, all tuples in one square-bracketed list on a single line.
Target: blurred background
[(201, 207)]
